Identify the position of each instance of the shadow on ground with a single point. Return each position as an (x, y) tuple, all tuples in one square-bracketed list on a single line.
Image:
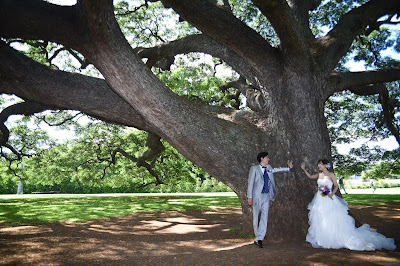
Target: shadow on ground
[(180, 238)]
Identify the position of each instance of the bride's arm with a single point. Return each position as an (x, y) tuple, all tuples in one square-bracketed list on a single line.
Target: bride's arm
[(303, 166), (335, 185)]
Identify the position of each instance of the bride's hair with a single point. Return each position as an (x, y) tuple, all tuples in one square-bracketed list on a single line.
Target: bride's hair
[(325, 161)]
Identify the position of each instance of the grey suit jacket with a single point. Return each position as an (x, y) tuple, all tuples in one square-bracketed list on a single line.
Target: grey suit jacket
[(256, 181)]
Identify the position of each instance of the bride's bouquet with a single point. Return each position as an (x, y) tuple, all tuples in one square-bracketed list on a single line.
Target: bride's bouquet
[(324, 190)]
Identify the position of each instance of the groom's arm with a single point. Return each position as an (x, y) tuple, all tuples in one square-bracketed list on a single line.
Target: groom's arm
[(280, 170), (283, 169), (250, 186)]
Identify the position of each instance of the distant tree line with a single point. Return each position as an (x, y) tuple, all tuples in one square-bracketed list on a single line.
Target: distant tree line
[(103, 158)]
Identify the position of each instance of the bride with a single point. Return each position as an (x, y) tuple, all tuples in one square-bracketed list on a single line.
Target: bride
[(330, 224)]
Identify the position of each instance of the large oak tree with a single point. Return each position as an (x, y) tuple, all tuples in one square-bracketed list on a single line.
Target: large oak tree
[(285, 85)]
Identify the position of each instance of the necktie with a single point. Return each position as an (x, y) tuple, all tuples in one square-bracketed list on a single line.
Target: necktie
[(266, 179)]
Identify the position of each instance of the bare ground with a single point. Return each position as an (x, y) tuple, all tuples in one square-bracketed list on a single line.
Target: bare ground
[(180, 238)]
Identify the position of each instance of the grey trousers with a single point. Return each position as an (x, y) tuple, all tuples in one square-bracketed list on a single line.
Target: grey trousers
[(260, 216)]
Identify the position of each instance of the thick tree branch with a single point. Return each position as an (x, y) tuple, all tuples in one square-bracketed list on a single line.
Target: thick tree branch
[(331, 48), (167, 111), (388, 114), (222, 26), (155, 149), (301, 9), (24, 108), (365, 90), (67, 91), (197, 43), (64, 90), (203, 43), (292, 34), (377, 24), (40, 20), (98, 15), (346, 80)]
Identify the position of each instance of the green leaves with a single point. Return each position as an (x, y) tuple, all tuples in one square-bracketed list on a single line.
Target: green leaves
[(329, 13), (351, 118), (369, 48), (195, 77), (85, 165), (147, 24), (249, 14)]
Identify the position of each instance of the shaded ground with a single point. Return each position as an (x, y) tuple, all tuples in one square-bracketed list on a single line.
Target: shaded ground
[(180, 238)]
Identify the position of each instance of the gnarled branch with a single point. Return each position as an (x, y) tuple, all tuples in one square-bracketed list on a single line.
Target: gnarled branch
[(23, 108), (47, 21), (155, 149), (213, 20), (335, 44), (43, 118), (292, 34), (194, 43), (343, 81), (64, 90)]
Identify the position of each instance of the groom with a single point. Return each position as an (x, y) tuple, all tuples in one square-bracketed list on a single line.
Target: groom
[(261, 189)]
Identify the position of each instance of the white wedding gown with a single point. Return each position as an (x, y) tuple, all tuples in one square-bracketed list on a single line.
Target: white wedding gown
[(332, 227)]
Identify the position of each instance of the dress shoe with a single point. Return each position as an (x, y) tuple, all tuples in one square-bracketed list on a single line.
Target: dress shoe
[(258, 243)]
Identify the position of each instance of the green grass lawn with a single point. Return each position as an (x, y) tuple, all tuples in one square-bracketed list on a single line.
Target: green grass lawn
[(55, 209), (371, 199), (36, 210)]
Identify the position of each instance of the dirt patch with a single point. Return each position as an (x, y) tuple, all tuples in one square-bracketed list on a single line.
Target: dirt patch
[(180, 238)]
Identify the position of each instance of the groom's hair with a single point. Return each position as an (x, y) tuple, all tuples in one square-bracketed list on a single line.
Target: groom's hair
[(261, 155)]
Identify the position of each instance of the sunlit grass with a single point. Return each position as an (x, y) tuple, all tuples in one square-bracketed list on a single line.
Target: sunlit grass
[(54, 209), (36, 210), (371, 199)]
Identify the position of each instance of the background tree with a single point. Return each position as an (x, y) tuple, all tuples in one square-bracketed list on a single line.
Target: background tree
[(285, 75), (102, 157)]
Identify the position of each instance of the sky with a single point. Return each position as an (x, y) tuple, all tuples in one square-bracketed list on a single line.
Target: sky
[(63, 2), (387, 144)]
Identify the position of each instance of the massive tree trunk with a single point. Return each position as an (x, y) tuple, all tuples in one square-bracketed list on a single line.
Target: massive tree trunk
[(290, 84)]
